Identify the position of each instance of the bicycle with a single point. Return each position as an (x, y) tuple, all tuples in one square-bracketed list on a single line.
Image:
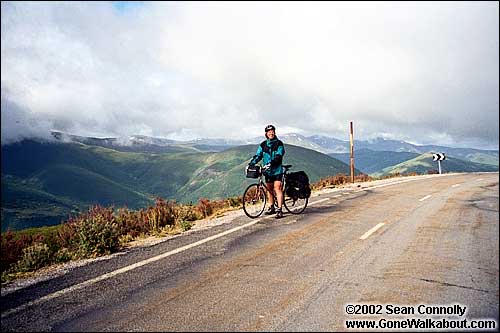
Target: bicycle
[(255, 196)]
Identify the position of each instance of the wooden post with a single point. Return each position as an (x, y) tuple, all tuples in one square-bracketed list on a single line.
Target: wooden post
[(351, 139)]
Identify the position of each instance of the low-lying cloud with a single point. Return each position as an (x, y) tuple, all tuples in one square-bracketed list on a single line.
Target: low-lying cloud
[(423, 72)]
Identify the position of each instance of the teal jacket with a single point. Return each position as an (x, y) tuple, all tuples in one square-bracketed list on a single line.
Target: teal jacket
[(271, 151)]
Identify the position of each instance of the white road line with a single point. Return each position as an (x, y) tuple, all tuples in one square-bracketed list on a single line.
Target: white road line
[(455, 185), (371, 231), (127, 268), (425, 198), (315, 202), (480, 179), (388, 184), (336, 196), (400, 182)]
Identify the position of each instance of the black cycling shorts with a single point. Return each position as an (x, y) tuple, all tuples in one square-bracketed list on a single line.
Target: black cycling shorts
[(272, 179)]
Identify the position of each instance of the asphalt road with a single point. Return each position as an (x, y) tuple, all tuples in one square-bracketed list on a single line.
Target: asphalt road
[(431, 240)]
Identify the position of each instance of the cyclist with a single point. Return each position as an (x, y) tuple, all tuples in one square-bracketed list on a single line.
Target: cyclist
[(272, 151)]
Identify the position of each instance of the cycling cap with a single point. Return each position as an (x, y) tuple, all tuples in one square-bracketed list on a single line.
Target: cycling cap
[(270, 127)]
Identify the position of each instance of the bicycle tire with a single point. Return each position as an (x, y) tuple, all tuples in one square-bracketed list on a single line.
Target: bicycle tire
[(254, 200), (294, 205)]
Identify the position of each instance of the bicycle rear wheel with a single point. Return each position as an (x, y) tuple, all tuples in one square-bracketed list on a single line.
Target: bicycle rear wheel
[(254, 200), (295, 205)]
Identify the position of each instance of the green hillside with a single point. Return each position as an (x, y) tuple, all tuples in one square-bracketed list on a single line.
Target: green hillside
[(370, 161), (42, 183), (146, 173), (483, 158), (423, 163), (86, 186), (224, 175), (24, 205)]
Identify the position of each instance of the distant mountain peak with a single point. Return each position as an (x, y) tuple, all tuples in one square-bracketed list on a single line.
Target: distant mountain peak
[(321, 143)]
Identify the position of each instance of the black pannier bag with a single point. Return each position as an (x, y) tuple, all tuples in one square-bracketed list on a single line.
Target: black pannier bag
[(292, 189), (298, 185), (253, 171)]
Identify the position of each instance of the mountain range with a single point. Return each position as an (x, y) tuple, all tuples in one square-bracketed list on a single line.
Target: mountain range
[(322, 144), (43, 182), (370, 155)]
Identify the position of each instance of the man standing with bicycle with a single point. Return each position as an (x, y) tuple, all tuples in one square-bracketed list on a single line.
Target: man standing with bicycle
[(271, 151)]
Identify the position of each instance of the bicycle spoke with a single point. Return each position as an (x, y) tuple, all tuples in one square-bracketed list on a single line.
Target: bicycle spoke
[(295, 205), (254, 200)]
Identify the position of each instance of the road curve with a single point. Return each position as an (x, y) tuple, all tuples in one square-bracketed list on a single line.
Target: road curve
[(431, 240)]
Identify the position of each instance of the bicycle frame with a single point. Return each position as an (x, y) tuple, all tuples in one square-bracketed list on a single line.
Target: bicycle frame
[(260, 186), (256, 195), (264, 184)]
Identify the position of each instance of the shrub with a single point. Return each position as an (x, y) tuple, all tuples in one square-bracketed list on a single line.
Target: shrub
[(68, 234), (97, 232), (124, 239), (12, 247), (395, 174), (362, 178), (205, 207), (338, 179), (185, 225), (51, 239), (161, 215), (235, 201), (131, 223), (63, 255), (34, 257), (188, 213)]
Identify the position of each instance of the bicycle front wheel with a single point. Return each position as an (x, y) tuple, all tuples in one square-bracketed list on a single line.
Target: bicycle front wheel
[(295, 205), (254, 200)]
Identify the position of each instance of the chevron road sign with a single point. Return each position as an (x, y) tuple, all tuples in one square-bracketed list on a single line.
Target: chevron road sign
[(438, 157)]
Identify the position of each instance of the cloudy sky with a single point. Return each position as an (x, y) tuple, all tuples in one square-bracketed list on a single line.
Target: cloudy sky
[(424, 72)]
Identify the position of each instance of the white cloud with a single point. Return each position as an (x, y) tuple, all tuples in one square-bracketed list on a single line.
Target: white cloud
[(424, 72)]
